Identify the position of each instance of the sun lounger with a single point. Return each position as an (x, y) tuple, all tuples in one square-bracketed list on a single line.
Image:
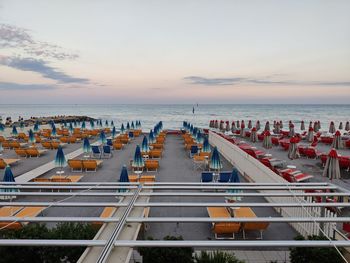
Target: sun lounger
[(4, 162), (107, 212), (199, 162), (96, 151), (155, 154), (106, 151), (224, 177), (16, 144), (75, 165), (133, 178), (21, 152), (91, 165), (157, 146), (207, 177), (6, 211), (152, 165), (254, 226), (223, 228), (32, 211), (34, 152), (147, 178), (117, 145)]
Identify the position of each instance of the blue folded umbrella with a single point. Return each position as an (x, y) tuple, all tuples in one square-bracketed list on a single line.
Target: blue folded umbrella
[(215, 162), (83, 125), (14, 130), (144, 146), (31, 136), (206, 146), (151, 137), (86, 146), (60, 160), (114, 132), (102, 138), (234, 179), (8, 177), (122, 129), (138, 160)]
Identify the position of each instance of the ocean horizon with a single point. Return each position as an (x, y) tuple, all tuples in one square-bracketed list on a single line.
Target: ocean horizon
[(174, 114)]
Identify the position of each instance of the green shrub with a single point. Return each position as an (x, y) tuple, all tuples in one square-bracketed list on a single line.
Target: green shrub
[(216, 257), (166, 254), (314, 254), (45, 254)]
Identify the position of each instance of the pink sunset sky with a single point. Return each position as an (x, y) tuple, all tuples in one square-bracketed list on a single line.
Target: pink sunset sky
[(174, 51)]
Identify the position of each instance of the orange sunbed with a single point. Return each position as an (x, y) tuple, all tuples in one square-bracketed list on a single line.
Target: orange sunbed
[(223, 228)]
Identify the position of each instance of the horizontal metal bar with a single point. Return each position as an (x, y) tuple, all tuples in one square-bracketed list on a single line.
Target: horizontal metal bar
[(195, 187), (179, 219), (177, 194), (170, 204), (182, 243)]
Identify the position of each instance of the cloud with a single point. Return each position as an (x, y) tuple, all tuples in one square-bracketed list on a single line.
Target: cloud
[(20, 38), (197, 80), (42, 67), (18, 86)]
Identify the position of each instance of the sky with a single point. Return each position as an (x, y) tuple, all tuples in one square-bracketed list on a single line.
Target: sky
[(183, 51)]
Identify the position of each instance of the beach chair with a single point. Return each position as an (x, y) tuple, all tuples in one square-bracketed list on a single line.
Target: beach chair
[(117, 145), (223, 229), (199, 162), (160, 140), (106, 212), (193, 150), (46, 145), (96, 151), (55, 145), (2, 138), (133, 178), (254, 226), (207, 177), (152, 165), (16, 144), (205, 154), (64, 139), (7, 211), (34, 152), (107, 151), (75, 165), (157, 146), (91, 165), (72, 139), (224, 177), (147, 178), (32, 211), (109, 142), (6, 144), (21, 152)]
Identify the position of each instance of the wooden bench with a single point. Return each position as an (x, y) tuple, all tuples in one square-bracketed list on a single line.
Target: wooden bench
[(223, 228), (254, 226), (5, 162)]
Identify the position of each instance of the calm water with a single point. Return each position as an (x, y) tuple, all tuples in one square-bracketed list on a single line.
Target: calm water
[(173, 115)]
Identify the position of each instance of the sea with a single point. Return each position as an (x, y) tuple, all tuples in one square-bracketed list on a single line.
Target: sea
[(173, 115)]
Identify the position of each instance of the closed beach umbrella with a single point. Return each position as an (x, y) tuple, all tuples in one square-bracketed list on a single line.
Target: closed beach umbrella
[(144, 145), (206, 146), (70, 128), (332, 127), (127, 126), (233, 127), (36, 126), (277, 129), (310, 135), (102, 138), (122, 129), (221, 125), (132, 125), (267, 126), (238, 125), (199, 137), (267, 143), (234, 179), (257, 125), (340, 125), (112, 123), (253, 135), (310, 125), (215, 162), (21, 125), (302, 126), (14, 130), (293, 152), (86, 145), (114, 132), (316, 129), (151, 137), (291, 130), (92, 124), (31, 136), (2, 127), (274, 124), (53, 130), (227, 126), (281, 124), (60, 160), (138, 161), (83, 125), (250, 125), (8, 178), (337, 143), (100, 123), (75, 123), (124, 177), (332, 169), (242, 128), (216, 124), (347, 126), (106, 123)]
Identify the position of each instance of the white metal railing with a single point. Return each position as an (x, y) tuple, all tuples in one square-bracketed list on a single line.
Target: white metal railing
[(259, 173)]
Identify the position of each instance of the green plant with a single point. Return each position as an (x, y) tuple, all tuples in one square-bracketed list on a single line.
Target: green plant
[(166, 254), (45, 254), (216, 257), (314, 254)]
